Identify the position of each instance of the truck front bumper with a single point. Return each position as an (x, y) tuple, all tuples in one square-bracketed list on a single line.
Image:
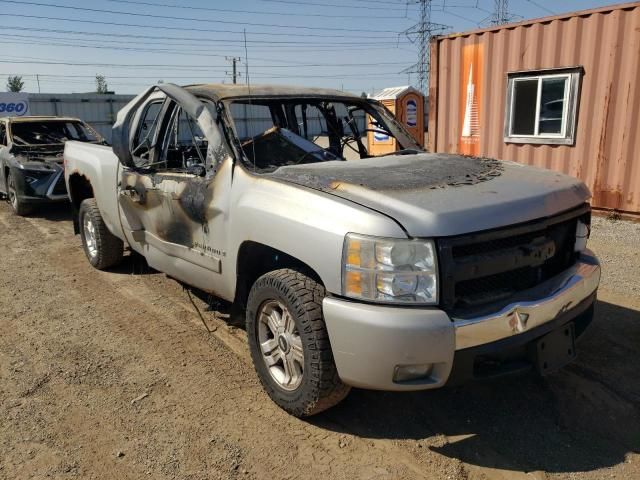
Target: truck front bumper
[(374, 346)]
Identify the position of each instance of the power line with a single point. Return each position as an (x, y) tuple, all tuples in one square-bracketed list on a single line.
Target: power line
[(190, 19), (298, 3), (196, 66), (453, 14), (166, 27), (541, 7), (70, 42), (254, 12), (200, 40)]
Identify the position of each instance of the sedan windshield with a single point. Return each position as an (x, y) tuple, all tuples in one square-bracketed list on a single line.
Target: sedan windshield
[(50, 132), (291, 131)]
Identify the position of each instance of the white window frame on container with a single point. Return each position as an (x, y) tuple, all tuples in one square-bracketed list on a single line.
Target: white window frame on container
[(566, 136)]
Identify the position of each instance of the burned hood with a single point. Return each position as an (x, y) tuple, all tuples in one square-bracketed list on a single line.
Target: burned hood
[(442, 194), (38, 153)]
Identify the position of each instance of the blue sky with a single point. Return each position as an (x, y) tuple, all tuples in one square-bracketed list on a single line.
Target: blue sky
[(354, 45)]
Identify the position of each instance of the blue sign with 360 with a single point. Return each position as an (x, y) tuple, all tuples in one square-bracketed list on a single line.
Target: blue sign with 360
[(15, 108)]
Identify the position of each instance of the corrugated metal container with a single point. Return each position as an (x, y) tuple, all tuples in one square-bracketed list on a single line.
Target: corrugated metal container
[(98, 110), (604, 42)]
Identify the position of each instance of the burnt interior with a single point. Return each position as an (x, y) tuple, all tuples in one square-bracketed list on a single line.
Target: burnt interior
[(51, 132), (279, 145), (290, 131), (486, 271)]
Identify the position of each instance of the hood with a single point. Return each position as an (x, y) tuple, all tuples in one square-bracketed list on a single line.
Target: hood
[(443, 194), (38, 154)]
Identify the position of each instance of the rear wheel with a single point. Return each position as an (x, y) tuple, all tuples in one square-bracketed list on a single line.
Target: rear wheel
[(290, 345), (102, 248), (19, 207)]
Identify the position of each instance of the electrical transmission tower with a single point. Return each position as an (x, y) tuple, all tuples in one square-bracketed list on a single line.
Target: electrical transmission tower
[(500, 14), (421, 33)]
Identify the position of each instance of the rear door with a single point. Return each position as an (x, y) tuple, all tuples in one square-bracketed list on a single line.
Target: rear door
[(173, 195)]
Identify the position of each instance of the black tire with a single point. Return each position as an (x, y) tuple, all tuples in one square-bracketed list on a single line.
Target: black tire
[(19, 207), (320, 387), (108, 248)]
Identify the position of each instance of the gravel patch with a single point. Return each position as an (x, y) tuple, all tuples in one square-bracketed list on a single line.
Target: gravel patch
[(617, 244)]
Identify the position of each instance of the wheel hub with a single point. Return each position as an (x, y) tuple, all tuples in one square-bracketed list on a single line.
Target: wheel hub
[(11, 193), (280, 344), (283, 343), (90, 237)]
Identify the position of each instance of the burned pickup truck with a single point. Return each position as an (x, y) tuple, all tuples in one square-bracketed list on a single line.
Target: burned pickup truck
[(406, 271), (31, 170)]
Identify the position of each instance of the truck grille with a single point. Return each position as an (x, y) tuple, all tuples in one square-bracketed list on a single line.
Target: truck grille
[(486, 269), (59, 188)]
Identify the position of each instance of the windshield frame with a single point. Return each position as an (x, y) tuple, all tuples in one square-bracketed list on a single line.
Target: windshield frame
[(20, 143), (371, 107)]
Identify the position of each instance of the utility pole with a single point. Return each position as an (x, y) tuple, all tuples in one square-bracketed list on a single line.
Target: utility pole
[(235, 74), (421, 33), (38, 80)]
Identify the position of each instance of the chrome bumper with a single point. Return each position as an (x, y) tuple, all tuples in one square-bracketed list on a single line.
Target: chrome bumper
[(549, 300), (370, 341)]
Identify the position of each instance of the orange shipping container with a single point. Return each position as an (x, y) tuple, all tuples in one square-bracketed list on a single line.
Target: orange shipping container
[(560, 92)]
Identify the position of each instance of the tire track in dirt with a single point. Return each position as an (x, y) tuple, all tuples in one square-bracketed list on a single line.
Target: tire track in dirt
[(78, 346), (114, 307)]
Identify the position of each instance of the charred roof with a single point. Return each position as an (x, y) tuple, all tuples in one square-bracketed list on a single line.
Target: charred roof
[(41, 118), (228, 91)]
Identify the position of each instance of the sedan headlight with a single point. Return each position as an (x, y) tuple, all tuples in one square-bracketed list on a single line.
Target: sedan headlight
[(390, 270)]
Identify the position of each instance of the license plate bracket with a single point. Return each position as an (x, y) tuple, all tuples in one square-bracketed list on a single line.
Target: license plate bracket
[(555, 349)]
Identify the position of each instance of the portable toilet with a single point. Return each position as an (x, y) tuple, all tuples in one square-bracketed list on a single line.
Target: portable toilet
[(407, 105)]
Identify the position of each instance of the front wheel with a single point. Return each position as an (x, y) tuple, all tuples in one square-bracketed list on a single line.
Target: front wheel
[(102, 248), (289, 343), (19, 207)]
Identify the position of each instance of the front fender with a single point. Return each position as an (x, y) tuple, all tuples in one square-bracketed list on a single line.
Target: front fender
[(306, 224)]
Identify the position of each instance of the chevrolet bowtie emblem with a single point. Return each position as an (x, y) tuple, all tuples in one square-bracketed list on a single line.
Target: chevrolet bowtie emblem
[(518, 321)]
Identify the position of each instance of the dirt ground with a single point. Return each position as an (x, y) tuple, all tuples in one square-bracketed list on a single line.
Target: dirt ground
[(113, 375)]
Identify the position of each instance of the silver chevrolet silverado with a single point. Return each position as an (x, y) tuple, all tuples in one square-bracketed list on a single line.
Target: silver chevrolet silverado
[(405, 271)]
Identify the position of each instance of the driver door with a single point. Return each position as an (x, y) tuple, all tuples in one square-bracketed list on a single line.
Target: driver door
[(174, 194)]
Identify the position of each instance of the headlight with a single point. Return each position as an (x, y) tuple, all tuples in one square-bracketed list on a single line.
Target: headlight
[(390, 270)]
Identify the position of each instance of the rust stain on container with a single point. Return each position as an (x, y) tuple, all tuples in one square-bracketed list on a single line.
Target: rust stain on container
[(605, 44)]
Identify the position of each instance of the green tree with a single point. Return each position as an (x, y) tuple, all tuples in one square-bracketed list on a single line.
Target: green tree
[(15, 84), (101, 84)]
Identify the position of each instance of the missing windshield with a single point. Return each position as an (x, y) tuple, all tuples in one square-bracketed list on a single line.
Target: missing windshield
[(51, 132), (283, 132)]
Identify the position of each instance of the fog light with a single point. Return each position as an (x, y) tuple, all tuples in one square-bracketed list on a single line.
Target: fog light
[(406, 373)]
